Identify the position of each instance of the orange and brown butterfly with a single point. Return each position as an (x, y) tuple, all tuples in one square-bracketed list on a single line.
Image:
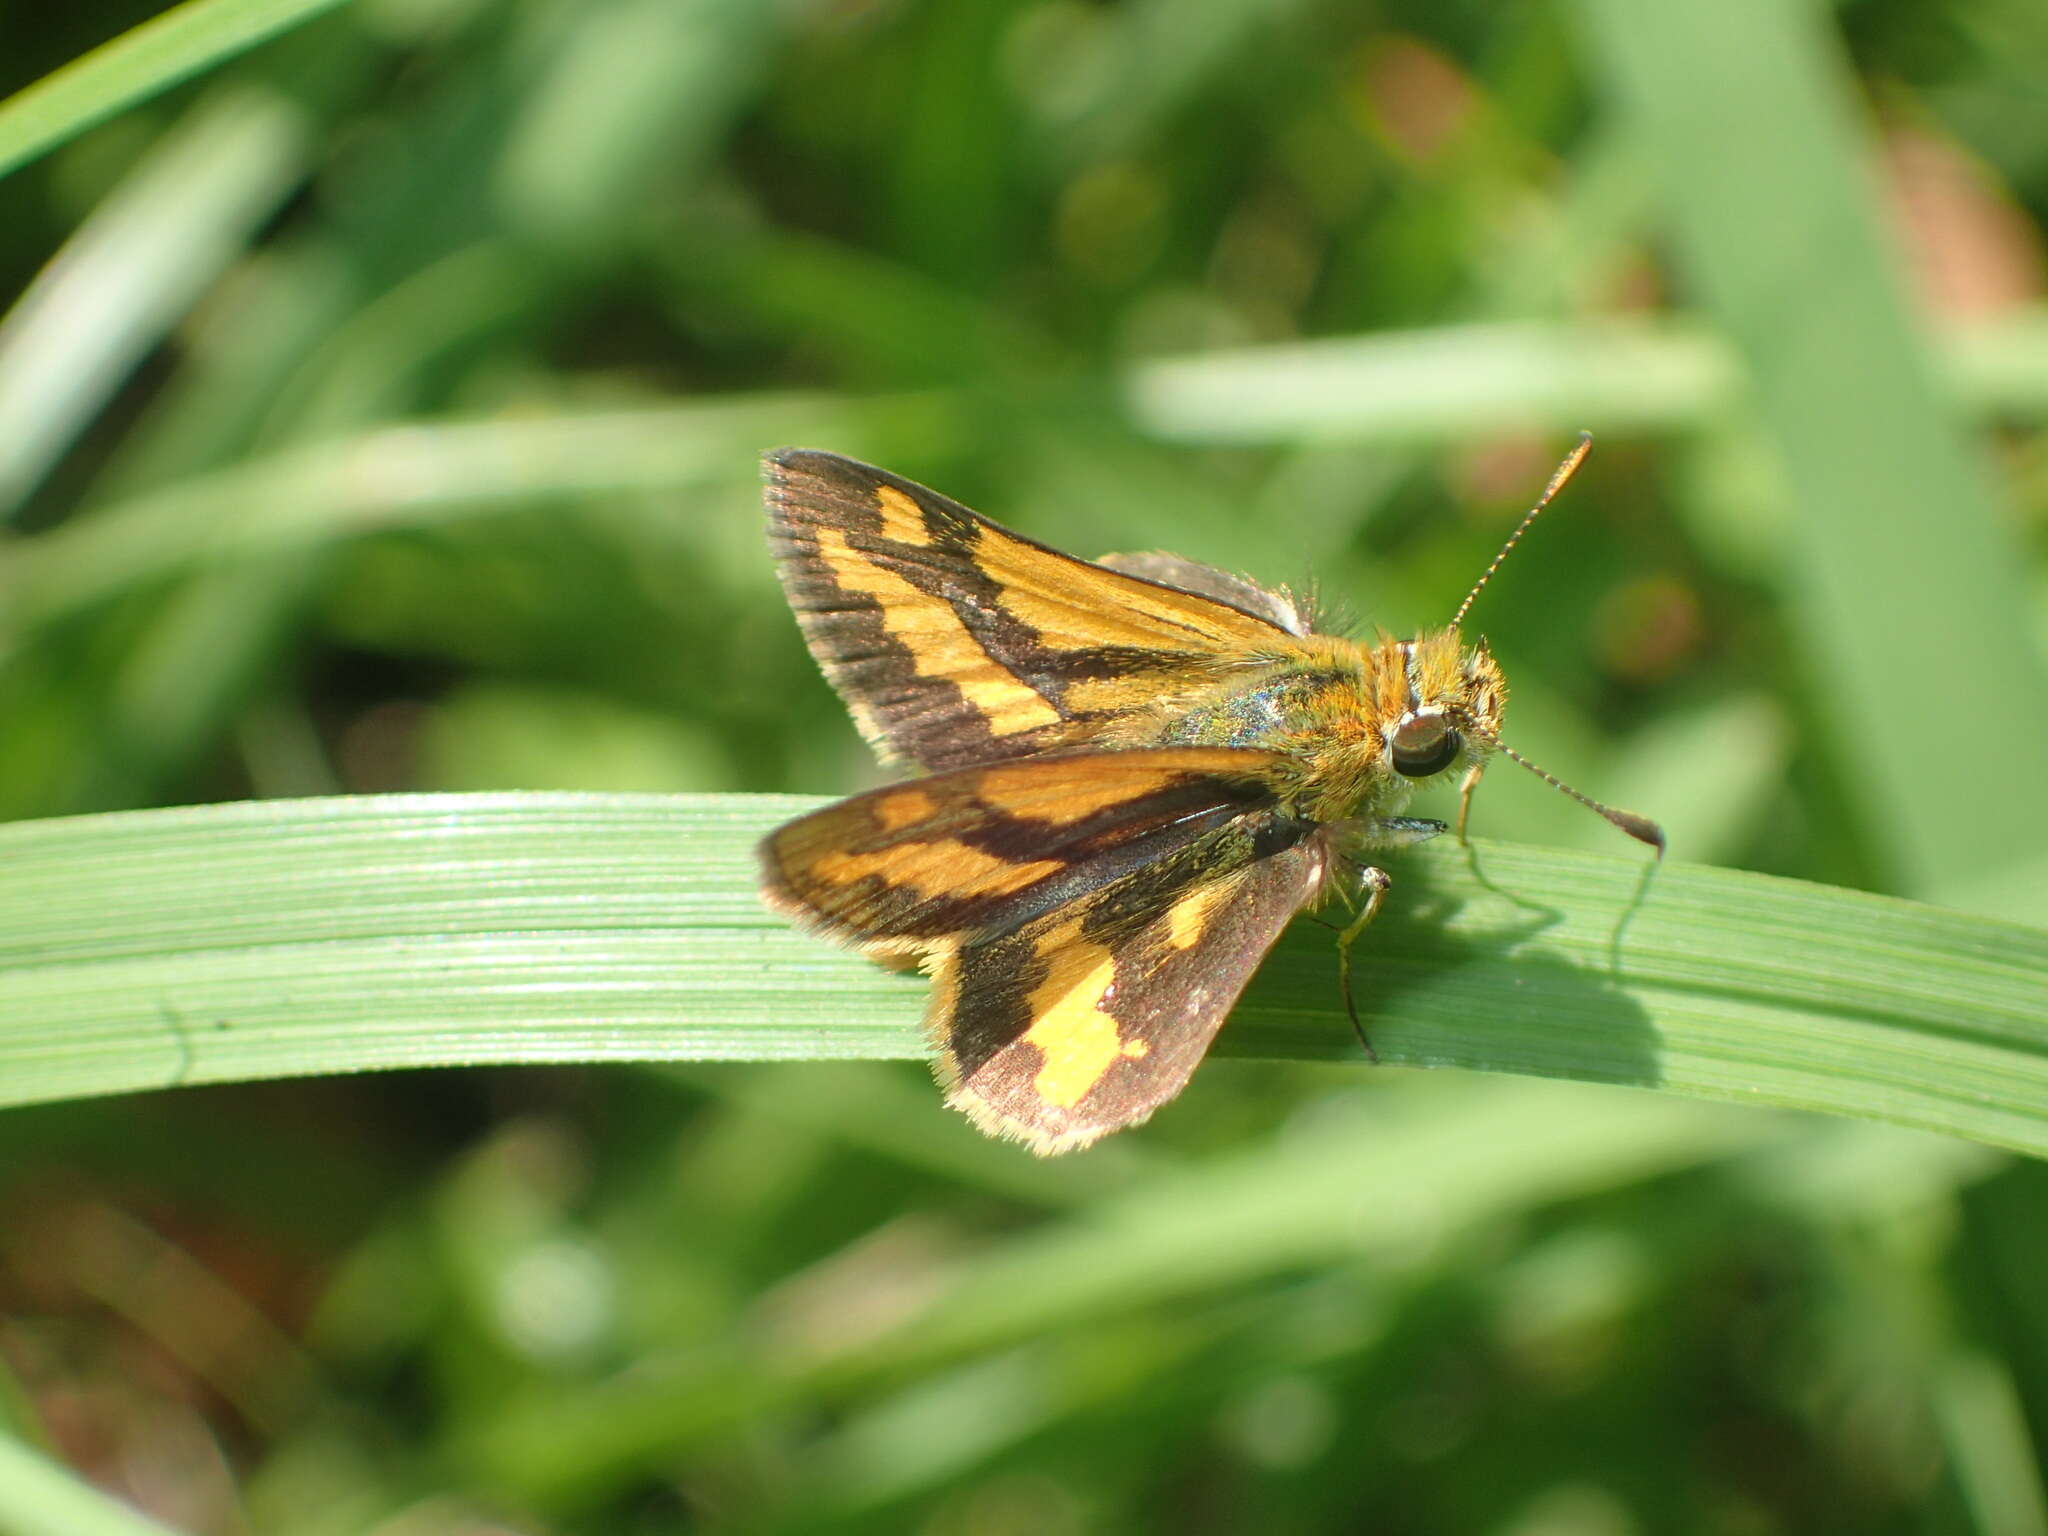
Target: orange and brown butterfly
[(1136, 772)]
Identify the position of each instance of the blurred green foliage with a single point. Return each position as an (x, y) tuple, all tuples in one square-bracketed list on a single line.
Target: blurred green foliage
[(380, 410)]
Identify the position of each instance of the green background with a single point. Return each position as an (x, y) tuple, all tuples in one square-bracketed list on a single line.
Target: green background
[(380, 411)]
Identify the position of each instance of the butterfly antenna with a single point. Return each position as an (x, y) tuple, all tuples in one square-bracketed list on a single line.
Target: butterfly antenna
[(1564, 472), (1641, 828)]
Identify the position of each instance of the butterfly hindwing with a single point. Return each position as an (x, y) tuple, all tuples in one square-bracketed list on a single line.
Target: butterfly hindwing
[(1089, 1018), (954, 641)]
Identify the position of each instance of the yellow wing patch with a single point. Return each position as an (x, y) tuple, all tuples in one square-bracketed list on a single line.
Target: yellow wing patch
[(1069, 615), (1077, 1040), (902, 519), (941, 867), (937, 641), (1188, 919), (905, 807), (1021, 790)]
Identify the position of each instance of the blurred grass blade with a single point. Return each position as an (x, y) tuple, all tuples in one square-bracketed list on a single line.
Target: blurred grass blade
[(1907, 583), (1458, 381), (132, 271), (640, 89), (309, 496), (137, 65), (40, 1498), (1984, 1424), (271, 939), (1620, 374)]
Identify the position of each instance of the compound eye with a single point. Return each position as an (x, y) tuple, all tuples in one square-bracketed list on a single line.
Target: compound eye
[(1423, 747)]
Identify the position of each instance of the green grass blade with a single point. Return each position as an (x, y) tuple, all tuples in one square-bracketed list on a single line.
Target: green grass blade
[(155, 948), (137, 65)]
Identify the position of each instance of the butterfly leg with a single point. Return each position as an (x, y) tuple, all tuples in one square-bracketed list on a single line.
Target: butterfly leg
[(1465, 796), (1375, 883)]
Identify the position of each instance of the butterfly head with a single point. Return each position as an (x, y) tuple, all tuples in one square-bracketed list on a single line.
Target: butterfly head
[(1448, 707)]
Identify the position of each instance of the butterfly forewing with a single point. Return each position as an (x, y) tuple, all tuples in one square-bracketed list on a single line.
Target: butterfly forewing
[(954, 641), (985, 850)]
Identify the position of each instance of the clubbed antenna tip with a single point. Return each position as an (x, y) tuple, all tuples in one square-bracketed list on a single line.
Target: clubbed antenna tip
[(1641, 828)]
